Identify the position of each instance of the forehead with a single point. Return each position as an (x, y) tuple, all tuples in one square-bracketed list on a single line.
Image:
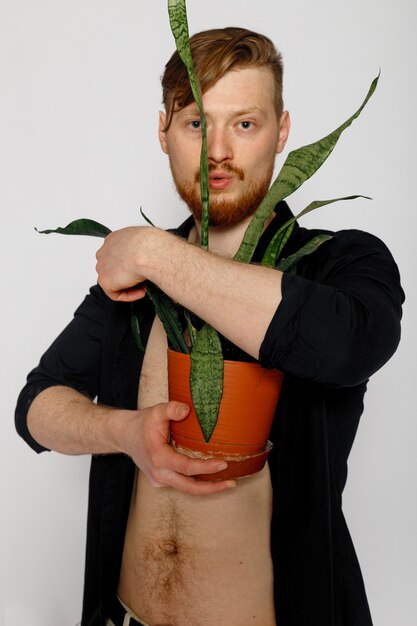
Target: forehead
[(240, 89)]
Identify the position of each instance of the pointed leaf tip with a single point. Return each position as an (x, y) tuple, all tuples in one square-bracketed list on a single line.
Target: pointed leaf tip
[(145, 217), (206, 378), (299, 166)]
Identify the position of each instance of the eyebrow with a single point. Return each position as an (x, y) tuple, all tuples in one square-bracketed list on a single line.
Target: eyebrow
[(193, 110), (250, 110)]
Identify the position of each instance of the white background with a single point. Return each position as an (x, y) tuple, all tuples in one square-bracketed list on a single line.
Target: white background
[(79, 97)]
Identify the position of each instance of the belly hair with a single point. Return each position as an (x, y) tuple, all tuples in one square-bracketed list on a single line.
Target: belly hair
[(164, 561)]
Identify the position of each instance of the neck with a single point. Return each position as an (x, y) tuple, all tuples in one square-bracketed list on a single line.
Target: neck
[(223, 240)]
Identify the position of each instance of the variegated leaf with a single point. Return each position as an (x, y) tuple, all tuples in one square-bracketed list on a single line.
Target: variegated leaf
[(277, 243), (300, 165), (206, 378), (287, 264), (177, 12)]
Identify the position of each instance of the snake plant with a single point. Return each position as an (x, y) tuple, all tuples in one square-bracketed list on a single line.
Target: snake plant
[(206, 378)]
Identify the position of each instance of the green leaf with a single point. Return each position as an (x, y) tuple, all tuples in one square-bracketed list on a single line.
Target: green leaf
[(300, 165), (167, 312), (319, 203), (179, 26), (287, 264), (82, 226), (145, 217), (192, 332), (206, 378), (134, 324), (277, 243)]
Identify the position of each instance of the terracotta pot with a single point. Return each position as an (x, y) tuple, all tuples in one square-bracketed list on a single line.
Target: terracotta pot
[(247, 408)]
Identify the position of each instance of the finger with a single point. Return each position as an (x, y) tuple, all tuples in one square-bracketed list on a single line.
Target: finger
[(193, 486), (99, 252), (167, 411), (187, 466), (128, 295), (169, 458), (173, 410)]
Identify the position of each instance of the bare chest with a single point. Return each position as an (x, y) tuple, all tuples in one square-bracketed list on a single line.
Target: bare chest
[(153, 383), (200, 560)]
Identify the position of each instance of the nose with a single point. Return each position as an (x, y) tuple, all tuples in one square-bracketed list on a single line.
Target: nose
[(219, 145)]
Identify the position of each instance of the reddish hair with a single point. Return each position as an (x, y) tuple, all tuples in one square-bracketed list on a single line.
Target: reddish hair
[(214, 53)]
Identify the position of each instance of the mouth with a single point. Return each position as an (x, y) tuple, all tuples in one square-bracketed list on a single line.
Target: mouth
[(220, 181)]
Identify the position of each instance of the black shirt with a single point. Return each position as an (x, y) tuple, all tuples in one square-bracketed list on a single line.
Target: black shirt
[(338, 322)]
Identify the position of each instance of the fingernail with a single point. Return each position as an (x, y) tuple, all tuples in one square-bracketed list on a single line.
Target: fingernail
[(181, 409), (231, 483), (222, 466)]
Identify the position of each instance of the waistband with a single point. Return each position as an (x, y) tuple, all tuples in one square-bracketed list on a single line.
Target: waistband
[(118, 613)]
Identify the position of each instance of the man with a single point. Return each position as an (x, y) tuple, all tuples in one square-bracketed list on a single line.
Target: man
[(162, 547)]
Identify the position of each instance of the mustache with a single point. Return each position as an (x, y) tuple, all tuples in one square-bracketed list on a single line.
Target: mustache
[(226, 167)]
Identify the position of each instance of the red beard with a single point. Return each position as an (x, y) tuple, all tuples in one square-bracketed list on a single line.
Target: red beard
[(225, 211)]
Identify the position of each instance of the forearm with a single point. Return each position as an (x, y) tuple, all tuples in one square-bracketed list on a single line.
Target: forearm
[(64, 420), (237, 299)]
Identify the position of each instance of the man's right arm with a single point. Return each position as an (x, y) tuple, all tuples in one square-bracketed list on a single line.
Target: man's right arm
[(64, 420), (55, 410)]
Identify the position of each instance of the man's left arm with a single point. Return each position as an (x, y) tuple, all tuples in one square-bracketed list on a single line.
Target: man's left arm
[(336, 330), (232, 297)]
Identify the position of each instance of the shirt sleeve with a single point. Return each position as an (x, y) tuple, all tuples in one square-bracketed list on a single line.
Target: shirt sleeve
[(338, 324), (72, 360)]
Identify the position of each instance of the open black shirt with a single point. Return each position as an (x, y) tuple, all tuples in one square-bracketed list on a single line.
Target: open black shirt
[(338, 322)]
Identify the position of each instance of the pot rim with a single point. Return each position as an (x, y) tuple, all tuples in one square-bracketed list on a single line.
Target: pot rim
[(229, 362)]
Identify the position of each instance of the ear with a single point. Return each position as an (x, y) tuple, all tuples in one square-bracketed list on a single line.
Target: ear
[(284, 131), (161, 132)]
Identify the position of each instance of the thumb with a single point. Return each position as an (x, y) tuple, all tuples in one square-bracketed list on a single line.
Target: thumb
[(177, 411)]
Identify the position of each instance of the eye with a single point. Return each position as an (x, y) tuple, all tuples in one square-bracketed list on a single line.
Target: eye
[(195, 124), (245, 124)]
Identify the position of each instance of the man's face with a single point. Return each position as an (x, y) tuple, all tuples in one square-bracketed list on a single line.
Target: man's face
[(243, 137)]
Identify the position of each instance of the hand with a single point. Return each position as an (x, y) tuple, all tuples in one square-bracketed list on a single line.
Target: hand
[(147, 443), (121, 261)]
